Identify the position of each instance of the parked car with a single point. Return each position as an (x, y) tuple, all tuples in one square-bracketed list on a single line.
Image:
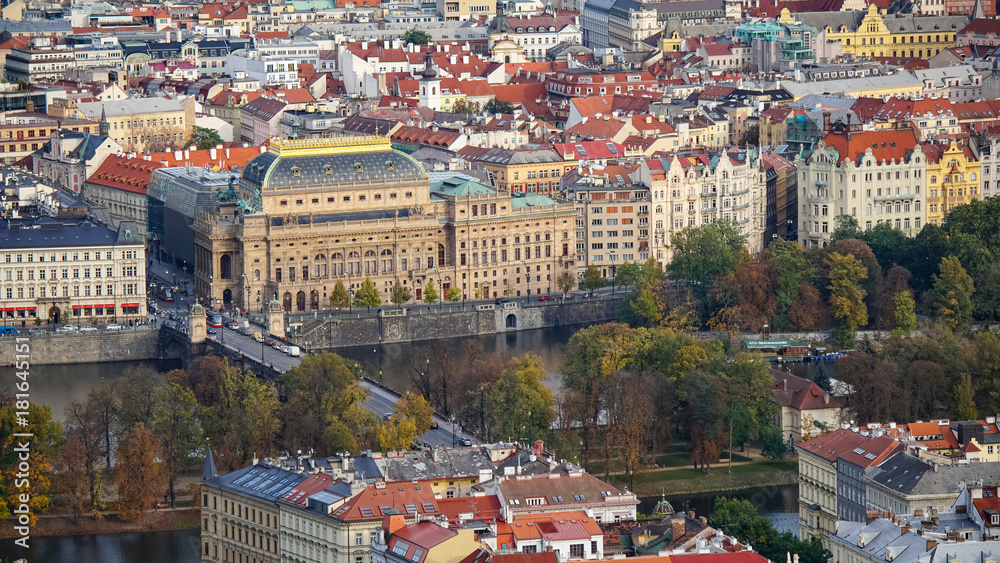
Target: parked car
[(36, 331), (502, 300), (113, 326), (434, 425), (467, 442), (544, 298), (387, 416), (269, 341), (66, 329), (293, 351), (212, 330), (87, 329)]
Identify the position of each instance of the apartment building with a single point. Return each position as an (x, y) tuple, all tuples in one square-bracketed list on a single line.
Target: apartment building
[(577, 82), (630, 23), (536, 170), (461, 10), (953, 178), (71, 272), (958, 83), (535, 34), (143, 124), (873, 176), (269, 69)]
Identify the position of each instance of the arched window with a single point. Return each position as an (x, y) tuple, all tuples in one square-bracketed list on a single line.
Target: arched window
[(300, 301), (225, 267), (256, 275), (286, 302), (371, 264), (386, 260)]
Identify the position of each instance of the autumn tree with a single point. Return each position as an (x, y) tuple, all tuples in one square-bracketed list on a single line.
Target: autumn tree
[(706, 403), (417, 409), (367, 295), (963, 407), (951, 296), (72, 481), (430, 293), (756, 294), (397, 433), (246, 416), (400, 294), (847, 305), (629, 412), (875, 383), (806, 310), (339, 297), (138, 475), (520, 404), (46, 444), (453, 294), (906, 317), (177, 425), (136, 396), (896, 281), (566, 282), (82, 425), (322, 399), (592, 279)]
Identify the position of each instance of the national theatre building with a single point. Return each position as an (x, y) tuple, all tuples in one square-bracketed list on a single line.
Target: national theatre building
[(313, 211)]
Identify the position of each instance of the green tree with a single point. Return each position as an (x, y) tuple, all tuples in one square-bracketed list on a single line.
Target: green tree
[(746, 377), (774, 446), (339, 297), (400, 294), (566, 282), (741, 519), (962, 405), (790, 268), (204, 138), (592, 279), (177, 426), (498, 106), (430, 293), (846, 227), (973, 230), (323, 397), (138, 475), (466, 107), (951, 296), (986, 300), (822, 378), (416, 408), (705, 412), (245, 418), (46, 447), (416, 37), (906, 317), (453, 294), (520, 404), (643, 305), (367, 295), (847, 304), (702, 254)]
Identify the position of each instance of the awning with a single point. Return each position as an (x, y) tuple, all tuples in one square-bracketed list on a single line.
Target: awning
[(130, 305), (31, 308), (109, 306), (88, 306), (76, 306), (20, 308), (9, 309)]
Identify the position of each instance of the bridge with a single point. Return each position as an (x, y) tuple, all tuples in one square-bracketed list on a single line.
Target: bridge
[(264, 361)]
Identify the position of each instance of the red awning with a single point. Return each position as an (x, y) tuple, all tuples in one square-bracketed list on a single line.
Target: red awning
[(31, 308), (109, 306), (20, 308), (130, 305), (76, 306), (9, 309), (88, 306)]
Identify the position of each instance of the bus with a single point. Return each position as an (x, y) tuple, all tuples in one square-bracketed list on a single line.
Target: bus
[(215, 321)]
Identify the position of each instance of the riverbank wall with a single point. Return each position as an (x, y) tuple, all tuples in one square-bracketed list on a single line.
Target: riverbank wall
[(402, 325), (85, 348)]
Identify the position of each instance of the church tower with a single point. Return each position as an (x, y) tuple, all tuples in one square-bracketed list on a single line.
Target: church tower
[(430, 84), (104, 128)]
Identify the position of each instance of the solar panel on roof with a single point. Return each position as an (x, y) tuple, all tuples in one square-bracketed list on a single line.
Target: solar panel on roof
[(428, 506)]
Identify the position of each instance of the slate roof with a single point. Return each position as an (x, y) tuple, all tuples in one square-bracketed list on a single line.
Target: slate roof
[(56, 234), (437, 463), (262, 481), (952, 478), (132, 106), (901, 473)]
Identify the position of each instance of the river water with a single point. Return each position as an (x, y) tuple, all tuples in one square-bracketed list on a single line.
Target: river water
[(57, 386)]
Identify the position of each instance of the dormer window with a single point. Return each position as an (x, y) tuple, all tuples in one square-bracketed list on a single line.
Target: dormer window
[(296, 171), (328, 170), (358, 167)]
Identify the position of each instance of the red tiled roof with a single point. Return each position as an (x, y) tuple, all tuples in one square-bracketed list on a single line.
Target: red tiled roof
[(540, 557), (224, 158), (372, 503), (313, 484), (296, 95), (734, 557), (885, 145), (486, 508), (222, 98), (832, 444), (799, 393), (519, 93), (982, 26), (128, 174)]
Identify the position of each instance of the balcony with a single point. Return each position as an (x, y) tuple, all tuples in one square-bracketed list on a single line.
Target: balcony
[(818, 199), (894, 197)]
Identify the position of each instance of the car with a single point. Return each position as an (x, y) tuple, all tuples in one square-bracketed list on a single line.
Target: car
[(87, 329), (277, 346), (269, 341), (212, 330), (545, 298), (36, 331), (467, 442), (434, 425), (387, 416), (66, 329), (257, 336), (502, 300), (113, 326)]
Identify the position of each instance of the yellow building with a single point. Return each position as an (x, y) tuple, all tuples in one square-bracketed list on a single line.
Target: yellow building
[(952, 178), (880, 35), (528, 170), (461, 10)]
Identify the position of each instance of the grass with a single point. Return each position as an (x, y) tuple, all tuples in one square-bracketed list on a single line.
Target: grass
[(693, 480)]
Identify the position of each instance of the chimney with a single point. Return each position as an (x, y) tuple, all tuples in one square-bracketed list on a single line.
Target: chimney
[(677, 528), (826, 397), (931, 544), (784, 384), (826, 122), (212, 153), (393, 522)]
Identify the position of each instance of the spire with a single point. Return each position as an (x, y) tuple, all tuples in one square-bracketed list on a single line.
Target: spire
[(430, 72), (208, 471), (104, 128), (977, 11)]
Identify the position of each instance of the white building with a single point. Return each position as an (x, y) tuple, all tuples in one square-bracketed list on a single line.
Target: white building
[(270, 70), (958, 83), (873, 176), (71, 271)]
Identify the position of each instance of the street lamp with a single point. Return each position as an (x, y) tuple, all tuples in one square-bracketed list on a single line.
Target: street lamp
[(453, 437), (527, 277), (246, 283), (613, 270)]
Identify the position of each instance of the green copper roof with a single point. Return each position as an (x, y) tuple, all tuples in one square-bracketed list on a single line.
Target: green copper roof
[(458, 187), (525, 199)]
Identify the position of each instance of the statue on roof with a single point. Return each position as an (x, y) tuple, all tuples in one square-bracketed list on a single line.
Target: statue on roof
[(229, 194)]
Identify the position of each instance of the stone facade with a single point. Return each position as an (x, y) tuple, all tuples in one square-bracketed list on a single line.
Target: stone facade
[(100, 347)]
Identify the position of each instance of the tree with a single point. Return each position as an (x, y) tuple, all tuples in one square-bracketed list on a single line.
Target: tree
[(875, 383), (417, 409), (400, 294), (751, 136), (951, 296), (138, 476), (204, 138), (339, 297), (177, 426), (806, 310), (846, 227), (430, 293), (822, 379), (323, 397), (397, 433), (706, 406), (367, 295), (73, 468), (592, 279), (702, 254), (741, 519), (643, 306), (46, 437), (774, 446), (453, 294), (790, 269), (906, 318), (246, 417), (466, 107), (136, 394), (566, 282), (521, 405), (847, 305), (498, 106), (416, 37), (962, 405), (986, 300), (973, 230), (746, 377)]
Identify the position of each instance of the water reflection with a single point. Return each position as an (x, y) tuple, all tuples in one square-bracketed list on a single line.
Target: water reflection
[(779, 503), (149, 547)]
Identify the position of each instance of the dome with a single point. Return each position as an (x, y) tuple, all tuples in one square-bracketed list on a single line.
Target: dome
[(311, 162)]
